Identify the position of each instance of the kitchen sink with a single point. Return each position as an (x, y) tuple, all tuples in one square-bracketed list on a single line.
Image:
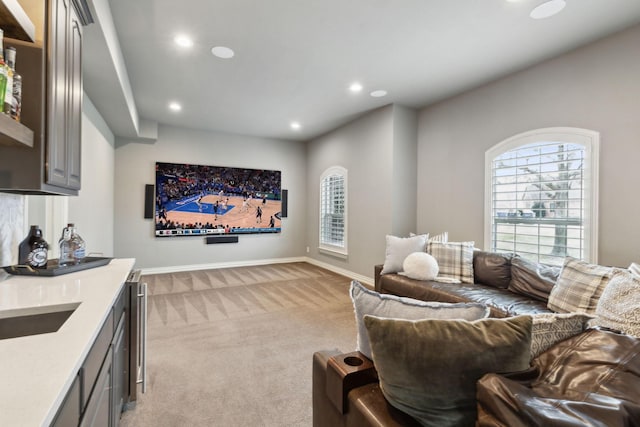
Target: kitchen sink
[(34, 320)]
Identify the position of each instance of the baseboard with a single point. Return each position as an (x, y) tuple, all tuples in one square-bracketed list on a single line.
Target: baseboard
[(359, 277), (213, 266), (193, 267)]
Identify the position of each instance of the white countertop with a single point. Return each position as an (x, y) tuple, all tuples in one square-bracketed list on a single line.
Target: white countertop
[(36, 371)]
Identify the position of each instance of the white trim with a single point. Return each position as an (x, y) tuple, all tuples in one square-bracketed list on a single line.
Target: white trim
[(194, 267), (589, 138), (341, 271)]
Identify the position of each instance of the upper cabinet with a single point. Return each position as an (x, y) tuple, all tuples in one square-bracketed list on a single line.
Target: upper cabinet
[(16, 24), (51, 101)]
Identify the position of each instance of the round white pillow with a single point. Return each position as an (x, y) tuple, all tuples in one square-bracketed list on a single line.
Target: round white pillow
[(420, 266)]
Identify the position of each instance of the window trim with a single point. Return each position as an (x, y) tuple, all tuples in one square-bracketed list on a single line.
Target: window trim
[(590, 140), (334, 250)]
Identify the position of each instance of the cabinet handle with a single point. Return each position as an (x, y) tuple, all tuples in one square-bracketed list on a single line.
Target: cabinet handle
[(142, 370)]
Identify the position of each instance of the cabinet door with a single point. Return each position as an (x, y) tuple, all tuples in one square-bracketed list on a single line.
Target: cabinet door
[(74, 112), (56, 133), (64, 117), (98, 411), (69, 412), (119, 371)]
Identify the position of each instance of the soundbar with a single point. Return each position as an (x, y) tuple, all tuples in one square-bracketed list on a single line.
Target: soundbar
[(220, 239)]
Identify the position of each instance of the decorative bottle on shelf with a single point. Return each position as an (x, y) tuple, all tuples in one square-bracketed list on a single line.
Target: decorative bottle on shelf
[(15, 97), (8, 90), (3, 71), (33, 250), (66, 251)]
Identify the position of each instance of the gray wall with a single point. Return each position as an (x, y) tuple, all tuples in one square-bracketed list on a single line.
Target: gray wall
[(135, 167), (596, 87), (377, 169)]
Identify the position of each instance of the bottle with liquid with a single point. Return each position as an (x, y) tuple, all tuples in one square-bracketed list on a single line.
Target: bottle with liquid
[(3, 70), (8, 90), (77, 244), (34, 250), (66, 251), (15, 98)]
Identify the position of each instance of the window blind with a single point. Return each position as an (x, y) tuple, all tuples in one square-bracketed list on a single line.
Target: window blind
[(332, 211), (538, 201)]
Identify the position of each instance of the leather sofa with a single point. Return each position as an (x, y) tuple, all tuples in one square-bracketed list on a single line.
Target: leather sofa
[(508, 285), (590, 379)]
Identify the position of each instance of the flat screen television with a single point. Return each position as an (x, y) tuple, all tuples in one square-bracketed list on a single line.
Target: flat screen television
[(197, 200)]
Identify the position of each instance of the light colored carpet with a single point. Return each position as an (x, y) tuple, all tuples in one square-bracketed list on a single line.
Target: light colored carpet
[(233, 347)]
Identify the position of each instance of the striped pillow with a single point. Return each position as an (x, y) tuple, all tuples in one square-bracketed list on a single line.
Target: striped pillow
[(579, 287), (455, 259)]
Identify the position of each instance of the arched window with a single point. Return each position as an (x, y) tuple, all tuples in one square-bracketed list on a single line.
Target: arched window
[(333, 210), (541, 195)]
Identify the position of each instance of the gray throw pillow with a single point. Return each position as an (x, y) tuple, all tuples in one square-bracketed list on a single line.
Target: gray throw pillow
[(366, 301), (398, 248), (429, 368)]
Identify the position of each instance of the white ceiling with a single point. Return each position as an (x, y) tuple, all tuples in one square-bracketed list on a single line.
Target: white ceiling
[(296, 58)]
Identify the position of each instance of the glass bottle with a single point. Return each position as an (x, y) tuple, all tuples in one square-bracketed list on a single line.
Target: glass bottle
[(3, 69), (34, 250), (8, 90), (66, 251), (77, 244), (15, 98)]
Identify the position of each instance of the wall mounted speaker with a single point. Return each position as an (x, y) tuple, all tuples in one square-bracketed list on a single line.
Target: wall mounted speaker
[(285, 203), (148, 201), (220, 239)]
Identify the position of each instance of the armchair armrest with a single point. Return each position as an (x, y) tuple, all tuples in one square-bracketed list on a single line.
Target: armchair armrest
[(346, 372)]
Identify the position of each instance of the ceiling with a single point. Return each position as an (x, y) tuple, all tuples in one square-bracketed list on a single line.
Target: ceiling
[(295, 59)]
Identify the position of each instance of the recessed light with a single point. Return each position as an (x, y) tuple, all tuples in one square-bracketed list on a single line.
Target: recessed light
[(222, 52), (355, 87), (295, 126), (378, 93), (174, 106), (548, 9), (183, 41)]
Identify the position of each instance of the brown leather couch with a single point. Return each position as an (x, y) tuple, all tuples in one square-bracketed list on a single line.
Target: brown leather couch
[(507, 284), (591, 379)]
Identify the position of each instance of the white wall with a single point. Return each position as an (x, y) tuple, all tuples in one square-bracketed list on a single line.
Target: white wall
[(368, 149), (92, 211), (12, 227), (135, 167), (596, 87)]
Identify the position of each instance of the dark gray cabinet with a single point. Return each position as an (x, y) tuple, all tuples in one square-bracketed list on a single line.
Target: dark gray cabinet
[(64, 90), (51, 107), (69, 412), (99, 392)]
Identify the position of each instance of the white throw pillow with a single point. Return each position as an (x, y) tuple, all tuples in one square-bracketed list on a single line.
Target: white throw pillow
[(420, 266), (398, 248), (366, 301), (635, 269), (619, 306)]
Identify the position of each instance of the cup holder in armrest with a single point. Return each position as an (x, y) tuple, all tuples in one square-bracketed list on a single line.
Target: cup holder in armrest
[(346, 372)]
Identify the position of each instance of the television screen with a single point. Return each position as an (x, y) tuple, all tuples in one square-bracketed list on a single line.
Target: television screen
[(196, 200)]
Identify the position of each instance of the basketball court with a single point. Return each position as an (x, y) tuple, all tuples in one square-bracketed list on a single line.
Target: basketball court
[(188, 211)]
